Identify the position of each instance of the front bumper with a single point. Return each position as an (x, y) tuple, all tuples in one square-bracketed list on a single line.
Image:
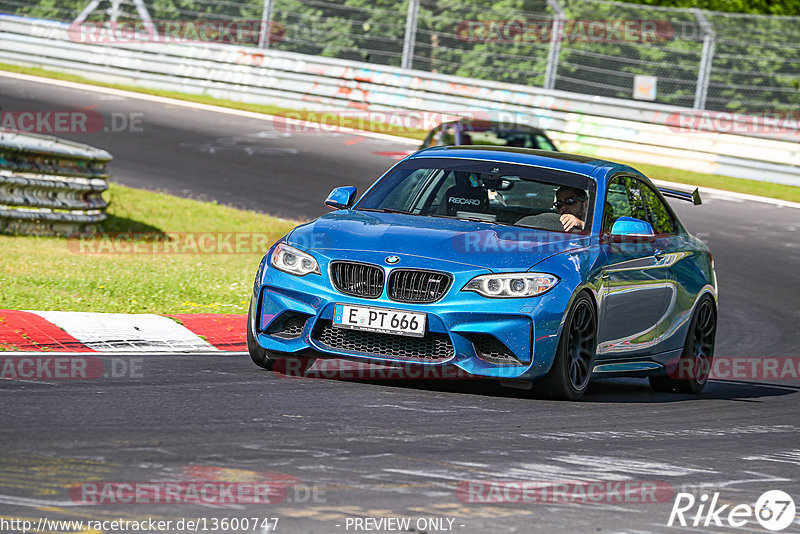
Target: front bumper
[(502, 338)]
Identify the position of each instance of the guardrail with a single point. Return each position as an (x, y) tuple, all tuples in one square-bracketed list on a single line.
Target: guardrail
[(50, 186), (605, 127)]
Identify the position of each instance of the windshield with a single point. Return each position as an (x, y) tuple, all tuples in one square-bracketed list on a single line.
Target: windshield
[(508, 138), (493, 192), (476, 135)]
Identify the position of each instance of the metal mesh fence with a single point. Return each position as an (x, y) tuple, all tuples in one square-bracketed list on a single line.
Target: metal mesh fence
[(346, 30), (68, 10), (756, 63), (483, 39), (704, 59), (633, 39)]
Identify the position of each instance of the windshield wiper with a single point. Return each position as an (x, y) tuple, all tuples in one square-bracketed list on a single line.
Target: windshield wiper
[(478, 219), (471, 219), (386, 210)]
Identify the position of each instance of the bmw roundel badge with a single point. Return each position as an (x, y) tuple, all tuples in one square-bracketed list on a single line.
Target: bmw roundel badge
[(392, 259)]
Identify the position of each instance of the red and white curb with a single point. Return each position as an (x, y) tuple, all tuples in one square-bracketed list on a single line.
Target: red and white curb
[(57, 331)]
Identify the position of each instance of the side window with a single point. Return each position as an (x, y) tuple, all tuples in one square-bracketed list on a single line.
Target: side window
[(660, 217), (617, 203), (430, 139), (448, 135), (544, 143), (624, 198), (636, 197)]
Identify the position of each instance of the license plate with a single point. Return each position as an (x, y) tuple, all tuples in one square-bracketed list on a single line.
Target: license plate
[(381, 320)]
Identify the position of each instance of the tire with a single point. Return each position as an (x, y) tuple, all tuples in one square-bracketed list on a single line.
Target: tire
[(569, 376), (694, 364), (257, 353)]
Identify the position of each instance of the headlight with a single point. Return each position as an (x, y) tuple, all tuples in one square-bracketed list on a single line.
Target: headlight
[(290, 260), (511, 285)]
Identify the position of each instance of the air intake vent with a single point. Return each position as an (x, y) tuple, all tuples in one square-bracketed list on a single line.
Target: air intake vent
[(357, 279), (432, 347), (411, 285), (289, 325), (489, 348)]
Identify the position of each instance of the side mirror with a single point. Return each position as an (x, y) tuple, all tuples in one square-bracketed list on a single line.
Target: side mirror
[(630, 230), (341, 197)]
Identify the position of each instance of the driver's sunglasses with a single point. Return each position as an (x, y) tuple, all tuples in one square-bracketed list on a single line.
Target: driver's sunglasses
[(569, 201)]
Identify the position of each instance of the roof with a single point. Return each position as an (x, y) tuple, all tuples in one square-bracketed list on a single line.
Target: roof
[(484, 124), (574, 163)]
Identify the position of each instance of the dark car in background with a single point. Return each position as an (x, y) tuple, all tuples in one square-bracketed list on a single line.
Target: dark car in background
[(486, 132)]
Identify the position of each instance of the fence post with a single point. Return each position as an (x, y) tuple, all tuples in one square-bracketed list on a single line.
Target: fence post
[(266, 24), (411, 34), (704, 72), (114, 11), (555, 45)]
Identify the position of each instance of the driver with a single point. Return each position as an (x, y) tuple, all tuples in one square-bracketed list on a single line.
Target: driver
[(570, 203)]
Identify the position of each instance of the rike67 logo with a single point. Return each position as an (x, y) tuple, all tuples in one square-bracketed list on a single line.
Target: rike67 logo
[(774, 511)]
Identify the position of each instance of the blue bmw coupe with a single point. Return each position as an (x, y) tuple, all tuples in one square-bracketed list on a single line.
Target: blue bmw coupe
[(527, 266)]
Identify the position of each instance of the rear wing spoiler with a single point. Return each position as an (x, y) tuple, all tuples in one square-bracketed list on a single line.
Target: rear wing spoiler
[(693, 197)]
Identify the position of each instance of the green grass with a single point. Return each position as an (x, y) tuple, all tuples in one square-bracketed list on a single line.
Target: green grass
[(49, 273)]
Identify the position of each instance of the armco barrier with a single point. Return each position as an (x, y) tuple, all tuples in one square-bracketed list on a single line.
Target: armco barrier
[(50, 186), (605, 127)]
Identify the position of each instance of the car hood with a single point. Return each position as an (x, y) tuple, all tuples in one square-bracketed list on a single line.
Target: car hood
[(372, 236)]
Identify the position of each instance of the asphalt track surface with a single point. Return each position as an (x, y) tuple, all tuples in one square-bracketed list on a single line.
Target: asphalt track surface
[(372, 449)]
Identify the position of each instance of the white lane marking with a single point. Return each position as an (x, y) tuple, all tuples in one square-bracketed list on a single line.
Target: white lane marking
[(658, 434), (595, 468), (543, 471), (789, 457), (196, 105), (35, 503), (429, 473), (688, 487), (122, 332), (719, 193), (424, 409), (412, 408), (635, 467)]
